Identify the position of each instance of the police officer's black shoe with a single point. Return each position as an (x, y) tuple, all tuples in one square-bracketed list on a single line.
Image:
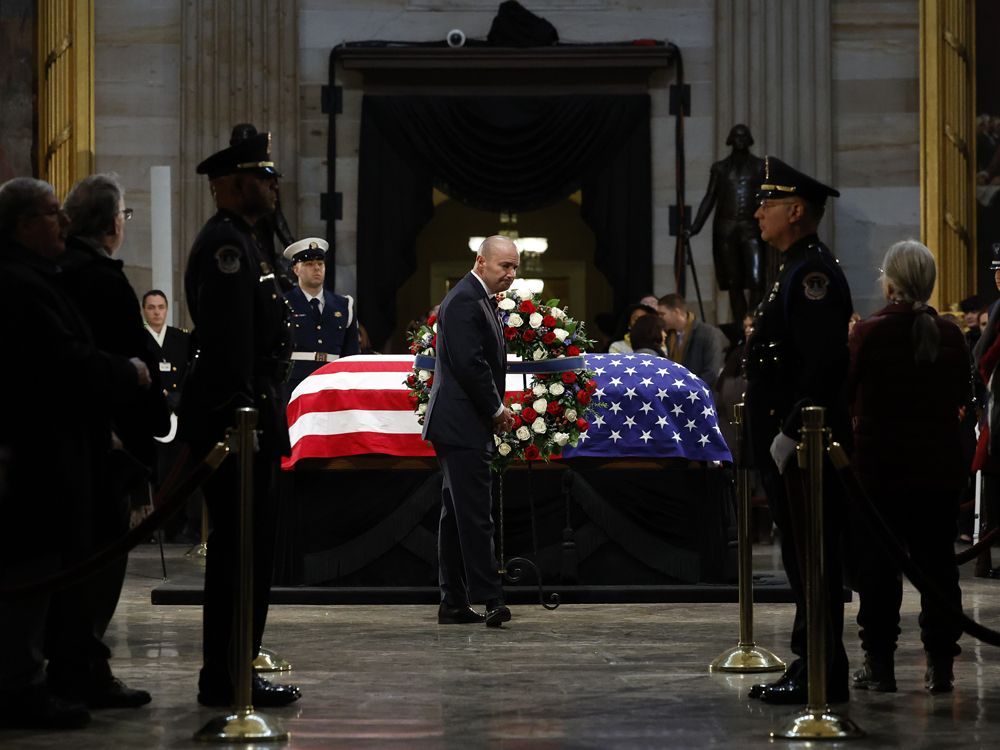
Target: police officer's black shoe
[(36, 707), (464, 615), (878, 674), (264, 694), (939, 677), (497, 613)]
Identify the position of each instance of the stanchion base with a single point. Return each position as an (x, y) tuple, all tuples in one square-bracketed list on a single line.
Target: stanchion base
[(198, 550), (821, 724), (268, 661), (748, 659), (242, 726)]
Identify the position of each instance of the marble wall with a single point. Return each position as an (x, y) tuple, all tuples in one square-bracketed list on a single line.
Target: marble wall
[(17, 75), (873, 144)]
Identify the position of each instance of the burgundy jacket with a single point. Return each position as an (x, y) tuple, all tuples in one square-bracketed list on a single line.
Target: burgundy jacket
[(905, 415)]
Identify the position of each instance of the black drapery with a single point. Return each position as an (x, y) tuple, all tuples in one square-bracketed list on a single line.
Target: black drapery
[(500, 153)]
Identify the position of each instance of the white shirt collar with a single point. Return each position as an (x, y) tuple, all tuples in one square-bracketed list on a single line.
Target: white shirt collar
[(158, 337)]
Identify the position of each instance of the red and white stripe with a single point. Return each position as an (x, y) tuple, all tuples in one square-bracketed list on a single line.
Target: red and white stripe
[(358, 405)]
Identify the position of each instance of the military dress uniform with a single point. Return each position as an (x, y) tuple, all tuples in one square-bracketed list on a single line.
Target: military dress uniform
[(172, 354), (797, 356), (241, 340), (321, 332)]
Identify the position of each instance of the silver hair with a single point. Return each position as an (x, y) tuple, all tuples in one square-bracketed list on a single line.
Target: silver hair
[(19, 197), (909, 268), (92, 205)]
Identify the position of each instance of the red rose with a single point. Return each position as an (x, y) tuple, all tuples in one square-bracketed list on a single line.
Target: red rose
[(434, 340), (430, 381), (548, 338), (591, 386), (509, 333), (517, 421), (572, 350), (549, 321), (414, 348), (529, 414), (582, 424), (432, 319), (583, 397), (554, 408), (531, 453), (526, 307), (411, 380), (569, 377), (529, 335)]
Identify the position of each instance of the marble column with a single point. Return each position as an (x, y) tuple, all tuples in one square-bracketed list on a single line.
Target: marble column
[(238, 64)]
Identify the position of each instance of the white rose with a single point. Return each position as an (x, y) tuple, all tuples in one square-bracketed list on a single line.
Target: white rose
[(561, 438), (570, 415), (515, 407), (429, 351), (538, 354), (523, 433), (534, 320), (557, 313), (560, 334), (538, 389), (540, 405), (539, 426), (434, 328), (515, 320), (421, 408), (507, 304), (497, 440), (557, 389), (424, 375), (426, 339), (503, 449)]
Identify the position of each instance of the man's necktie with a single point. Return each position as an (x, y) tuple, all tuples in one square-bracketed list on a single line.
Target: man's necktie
[(314, 304)]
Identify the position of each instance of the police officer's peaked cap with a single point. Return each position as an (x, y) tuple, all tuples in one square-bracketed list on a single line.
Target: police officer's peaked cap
[(782, 181), (995, 257), (251, 155), (311, 248)]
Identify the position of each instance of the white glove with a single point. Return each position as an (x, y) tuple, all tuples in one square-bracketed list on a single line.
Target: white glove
[(782, 448)]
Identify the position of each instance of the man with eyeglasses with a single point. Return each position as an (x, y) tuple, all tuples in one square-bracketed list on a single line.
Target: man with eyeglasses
[(93, 279), (48, 411), (797, 356)]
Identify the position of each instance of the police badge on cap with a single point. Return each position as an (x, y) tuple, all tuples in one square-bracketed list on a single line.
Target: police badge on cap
[(311, 248), (782, 181), (251, 155)]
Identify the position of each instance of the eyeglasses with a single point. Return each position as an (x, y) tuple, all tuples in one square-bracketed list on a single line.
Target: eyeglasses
[(127, 212)]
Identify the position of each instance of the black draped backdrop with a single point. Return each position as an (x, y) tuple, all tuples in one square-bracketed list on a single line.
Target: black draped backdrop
[(500, 153)]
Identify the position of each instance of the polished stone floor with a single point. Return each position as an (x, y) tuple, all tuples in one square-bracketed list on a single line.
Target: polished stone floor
[(594, 676)]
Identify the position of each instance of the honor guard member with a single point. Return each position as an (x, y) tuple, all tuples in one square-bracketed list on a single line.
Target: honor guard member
[(242, 342), (797, 356), (170, 344), (324, 324)]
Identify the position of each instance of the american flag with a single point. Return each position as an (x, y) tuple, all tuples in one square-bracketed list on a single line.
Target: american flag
[(654, 408)]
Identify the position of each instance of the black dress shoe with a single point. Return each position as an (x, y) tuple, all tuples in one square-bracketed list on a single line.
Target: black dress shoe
[(939, 677), (264, 694), (497, 615), (116, 694), (795, 692), (37, 708), (464, 615), (757, 691)]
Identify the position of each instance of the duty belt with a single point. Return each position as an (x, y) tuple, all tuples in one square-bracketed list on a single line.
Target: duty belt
[(315, 356)]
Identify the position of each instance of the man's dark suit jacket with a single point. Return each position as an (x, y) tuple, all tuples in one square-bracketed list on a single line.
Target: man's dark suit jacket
[(470, 371)]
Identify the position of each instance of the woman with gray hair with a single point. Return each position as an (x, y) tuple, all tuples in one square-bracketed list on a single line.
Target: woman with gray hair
[(907, 385)]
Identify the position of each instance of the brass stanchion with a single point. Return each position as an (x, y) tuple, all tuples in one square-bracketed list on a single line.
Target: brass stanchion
[(817, 721), (244, 724), (268, 661), (201, 548), (746, 656)]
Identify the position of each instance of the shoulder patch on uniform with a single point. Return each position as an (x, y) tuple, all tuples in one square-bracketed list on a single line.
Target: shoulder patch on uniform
[(816, 285), (227, 258)]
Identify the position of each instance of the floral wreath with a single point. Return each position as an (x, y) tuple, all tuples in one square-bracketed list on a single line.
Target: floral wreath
[(555, 408)]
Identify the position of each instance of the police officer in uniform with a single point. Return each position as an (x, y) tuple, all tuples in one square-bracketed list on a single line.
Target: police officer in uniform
[(324, 324), (797, 356), (242, 343)]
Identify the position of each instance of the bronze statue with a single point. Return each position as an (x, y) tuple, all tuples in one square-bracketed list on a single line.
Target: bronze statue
[(736, 245)]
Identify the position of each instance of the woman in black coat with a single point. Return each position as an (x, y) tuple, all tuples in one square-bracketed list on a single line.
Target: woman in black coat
[(907, 384)]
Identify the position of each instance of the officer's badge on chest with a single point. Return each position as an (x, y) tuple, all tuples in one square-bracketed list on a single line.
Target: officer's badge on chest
[(227, 258), (816, 285)]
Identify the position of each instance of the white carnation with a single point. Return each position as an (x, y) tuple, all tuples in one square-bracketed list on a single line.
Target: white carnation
[(570, 415), (540, 405), (538, 354), (557, 389), (534, 320), (561, 438), (503, 449), (538, 389), (434, 328), (539, 426), (557, 313), (422, 408), (507, 304), (523, 433), (560, 334), (515, 320), (515, 407), (424, 375)]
